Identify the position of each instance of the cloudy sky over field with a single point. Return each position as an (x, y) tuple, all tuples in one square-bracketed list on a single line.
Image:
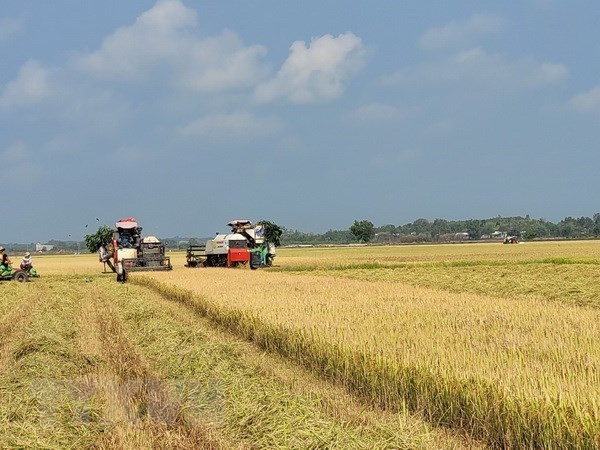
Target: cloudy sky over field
[(311, 114)]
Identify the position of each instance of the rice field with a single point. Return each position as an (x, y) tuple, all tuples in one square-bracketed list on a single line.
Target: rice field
[(429, 346), (86, 362)]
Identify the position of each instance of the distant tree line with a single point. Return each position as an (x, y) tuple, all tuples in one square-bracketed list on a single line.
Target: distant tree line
[(421, 230), (441, 230)]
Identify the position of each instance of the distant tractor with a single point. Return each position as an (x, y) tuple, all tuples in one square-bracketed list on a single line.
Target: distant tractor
[(511, 240), (132, 253), (244, 245)]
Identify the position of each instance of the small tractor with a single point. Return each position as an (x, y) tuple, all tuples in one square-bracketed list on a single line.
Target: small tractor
[(22, 274), (18, 275), (511, 240), (245, 244), (132, 253)]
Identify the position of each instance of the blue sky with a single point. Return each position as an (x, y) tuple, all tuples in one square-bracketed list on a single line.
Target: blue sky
[(311, 114)]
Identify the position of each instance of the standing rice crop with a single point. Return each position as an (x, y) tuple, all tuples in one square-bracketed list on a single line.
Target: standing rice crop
[(515, 372)]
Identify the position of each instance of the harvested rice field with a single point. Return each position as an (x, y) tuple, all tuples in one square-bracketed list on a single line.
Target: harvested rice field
[(424, 346)]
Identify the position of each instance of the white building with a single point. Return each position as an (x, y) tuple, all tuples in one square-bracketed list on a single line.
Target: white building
[(43, 247)]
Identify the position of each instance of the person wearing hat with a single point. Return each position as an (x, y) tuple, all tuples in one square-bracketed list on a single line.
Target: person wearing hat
[(26, 262), (5, 268)]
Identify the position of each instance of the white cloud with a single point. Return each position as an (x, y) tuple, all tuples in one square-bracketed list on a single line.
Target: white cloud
[(9, 28), (161, 43), (550, 74), (19, 166), (30, 87), (476, 68), (317, 72), (462, 33), (235, 125), (155, 38), (58, 96), (221, 63), (587, 101)]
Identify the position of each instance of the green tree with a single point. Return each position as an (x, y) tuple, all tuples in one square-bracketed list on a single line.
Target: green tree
[(363, 230), (273, 232), (473, 227), (596, 219), (101, 237)]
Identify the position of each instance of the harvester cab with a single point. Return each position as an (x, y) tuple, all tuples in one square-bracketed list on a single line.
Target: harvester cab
[(132, 253)]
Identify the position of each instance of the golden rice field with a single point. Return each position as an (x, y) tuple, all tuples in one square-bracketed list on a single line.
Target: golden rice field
[(428, 346), (86, 362)]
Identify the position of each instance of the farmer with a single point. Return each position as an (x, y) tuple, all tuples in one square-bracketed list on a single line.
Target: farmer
[(26, 262), (5, 268), (104, 255)]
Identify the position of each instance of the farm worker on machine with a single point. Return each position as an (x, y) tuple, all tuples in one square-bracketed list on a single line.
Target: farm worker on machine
[(5, 265), (263, 250), (27, 265)]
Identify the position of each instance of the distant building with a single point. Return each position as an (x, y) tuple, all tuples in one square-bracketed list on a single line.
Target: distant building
[(43, 247), (499, 235)]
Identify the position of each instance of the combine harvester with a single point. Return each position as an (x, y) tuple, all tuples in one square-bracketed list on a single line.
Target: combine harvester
[(245, 244), (132, 253)]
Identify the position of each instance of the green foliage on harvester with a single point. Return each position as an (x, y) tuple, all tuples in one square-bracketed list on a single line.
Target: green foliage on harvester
[(101, 237), (273, 232)]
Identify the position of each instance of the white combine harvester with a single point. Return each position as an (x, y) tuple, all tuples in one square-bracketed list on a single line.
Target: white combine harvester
[(132, 253), (245, 244)]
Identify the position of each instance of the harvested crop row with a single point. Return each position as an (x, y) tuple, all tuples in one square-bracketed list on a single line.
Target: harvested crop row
[(134, 400), (73, 381), (41, 405), (104, 365), (245, 394), (17, 308), (512, 372)]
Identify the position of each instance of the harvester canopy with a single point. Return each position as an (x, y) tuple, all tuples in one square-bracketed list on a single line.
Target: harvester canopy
[(127, 224), (240, 224)]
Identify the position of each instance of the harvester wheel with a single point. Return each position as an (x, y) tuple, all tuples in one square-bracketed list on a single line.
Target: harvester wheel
[(20, 276)]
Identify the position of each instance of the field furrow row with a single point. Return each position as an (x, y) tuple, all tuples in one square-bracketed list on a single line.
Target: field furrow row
[(511, 372), (103, 365), (259, 401), (143, 413)]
